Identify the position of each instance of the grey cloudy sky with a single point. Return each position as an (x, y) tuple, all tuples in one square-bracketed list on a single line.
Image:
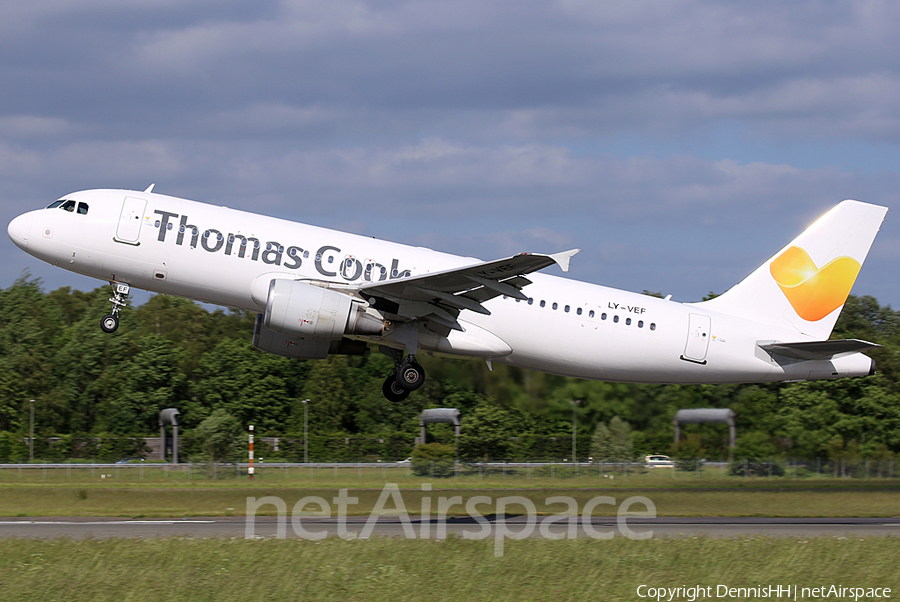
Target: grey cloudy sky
[(680, 143)]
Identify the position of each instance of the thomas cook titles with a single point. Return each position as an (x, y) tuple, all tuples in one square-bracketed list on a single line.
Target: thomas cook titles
[(273, 252)]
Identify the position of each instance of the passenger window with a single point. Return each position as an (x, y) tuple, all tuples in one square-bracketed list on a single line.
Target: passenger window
[(652, 325), (543, 303), (627, 321), (530, 301), (566, 309), (616, 319), (578, 311), (82, 208), (640, 323), (555, 305), (56, 204), (591, 314), (603, 316), (68, 206)]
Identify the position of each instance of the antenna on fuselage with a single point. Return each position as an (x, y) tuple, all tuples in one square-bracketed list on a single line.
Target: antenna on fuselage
[(150, 188)]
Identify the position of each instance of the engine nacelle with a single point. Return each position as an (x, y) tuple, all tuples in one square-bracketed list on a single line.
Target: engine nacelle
[(304, 311), (270, 341)]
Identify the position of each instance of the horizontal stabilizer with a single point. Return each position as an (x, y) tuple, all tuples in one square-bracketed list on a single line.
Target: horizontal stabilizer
[(818, 350)]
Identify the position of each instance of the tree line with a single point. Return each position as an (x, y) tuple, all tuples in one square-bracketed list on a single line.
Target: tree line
[(170, 352)]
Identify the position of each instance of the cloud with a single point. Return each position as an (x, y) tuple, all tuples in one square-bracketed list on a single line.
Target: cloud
[(18, 127), (653, 134), (588, 69)]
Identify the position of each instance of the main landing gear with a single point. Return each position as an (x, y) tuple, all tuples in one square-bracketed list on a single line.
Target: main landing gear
[(110, 321), (406, 377)]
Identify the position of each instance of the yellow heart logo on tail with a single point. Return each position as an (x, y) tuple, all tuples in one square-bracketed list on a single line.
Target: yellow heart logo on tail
[(813, 292)]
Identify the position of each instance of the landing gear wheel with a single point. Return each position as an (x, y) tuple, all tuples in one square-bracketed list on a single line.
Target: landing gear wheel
[(392, 391), (109, 323), (410, 376)]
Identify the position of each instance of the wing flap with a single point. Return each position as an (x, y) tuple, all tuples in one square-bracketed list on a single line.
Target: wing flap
[(502, 287), (457, 301), (489, 291)]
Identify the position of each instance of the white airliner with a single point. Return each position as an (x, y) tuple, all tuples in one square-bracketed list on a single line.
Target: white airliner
[(319, 291)]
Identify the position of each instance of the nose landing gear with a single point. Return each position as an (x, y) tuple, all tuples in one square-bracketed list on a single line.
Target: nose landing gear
[(110, 321)]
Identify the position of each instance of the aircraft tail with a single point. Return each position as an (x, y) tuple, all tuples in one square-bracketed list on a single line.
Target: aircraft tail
[(804, 286)]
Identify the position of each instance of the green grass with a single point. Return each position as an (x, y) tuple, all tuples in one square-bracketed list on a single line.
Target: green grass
[(154, 492), (181, 502), (394, 569)]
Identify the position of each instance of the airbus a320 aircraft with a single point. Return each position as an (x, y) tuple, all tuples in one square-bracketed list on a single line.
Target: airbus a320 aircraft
[(319, 291)]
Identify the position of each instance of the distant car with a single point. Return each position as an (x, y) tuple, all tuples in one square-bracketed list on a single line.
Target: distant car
[(658, 461), (127, 460), (406, 461)]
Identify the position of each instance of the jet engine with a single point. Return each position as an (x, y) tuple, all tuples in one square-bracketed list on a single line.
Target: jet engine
[(305, 311)]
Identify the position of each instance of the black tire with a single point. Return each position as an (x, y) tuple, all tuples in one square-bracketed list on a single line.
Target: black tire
[(109, 323), (392, 391), (410, 376)]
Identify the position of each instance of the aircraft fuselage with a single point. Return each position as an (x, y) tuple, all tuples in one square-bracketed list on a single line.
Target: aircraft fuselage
[(228, 257)]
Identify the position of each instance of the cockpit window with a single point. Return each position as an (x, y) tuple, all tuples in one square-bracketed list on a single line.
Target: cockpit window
[(56, 204), (82, 208), (68, 206)]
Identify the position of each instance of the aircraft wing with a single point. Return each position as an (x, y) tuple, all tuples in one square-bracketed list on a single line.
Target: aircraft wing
[(440, 296), (818, 350)]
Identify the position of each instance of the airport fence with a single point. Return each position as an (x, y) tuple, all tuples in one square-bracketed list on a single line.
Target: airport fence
[(329, 447)]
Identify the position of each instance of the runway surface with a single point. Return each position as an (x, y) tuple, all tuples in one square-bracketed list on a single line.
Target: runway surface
[(393, 526)]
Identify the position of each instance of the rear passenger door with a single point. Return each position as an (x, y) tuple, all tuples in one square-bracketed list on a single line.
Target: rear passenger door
[(697, 343)]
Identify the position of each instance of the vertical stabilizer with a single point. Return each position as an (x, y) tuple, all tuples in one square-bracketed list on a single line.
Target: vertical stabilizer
[(804, 286)]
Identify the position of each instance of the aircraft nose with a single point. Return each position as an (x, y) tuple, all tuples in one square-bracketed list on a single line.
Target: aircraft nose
[(18, 230)]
